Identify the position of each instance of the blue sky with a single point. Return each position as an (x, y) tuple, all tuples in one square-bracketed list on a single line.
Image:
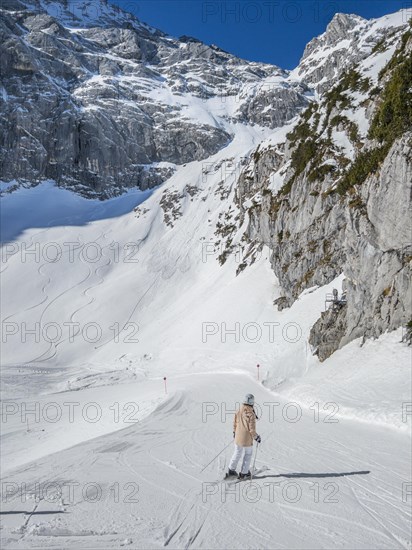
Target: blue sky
[(272, 31)]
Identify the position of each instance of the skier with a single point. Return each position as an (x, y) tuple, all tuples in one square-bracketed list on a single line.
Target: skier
[(244, 432)]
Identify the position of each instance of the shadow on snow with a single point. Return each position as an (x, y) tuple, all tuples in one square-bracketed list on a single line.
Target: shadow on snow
[(303, 475)]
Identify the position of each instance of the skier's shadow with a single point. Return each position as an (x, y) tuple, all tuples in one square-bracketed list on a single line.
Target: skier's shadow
[(303, 475)]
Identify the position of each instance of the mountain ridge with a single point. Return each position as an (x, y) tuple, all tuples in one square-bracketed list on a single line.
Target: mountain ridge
[(107, 80), (146, 90)]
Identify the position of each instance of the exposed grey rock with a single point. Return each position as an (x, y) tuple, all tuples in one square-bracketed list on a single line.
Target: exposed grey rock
[(379, 244), (313, 239), (80, 134), (338, 29), (282, 303), (272, 105), (326, 334)]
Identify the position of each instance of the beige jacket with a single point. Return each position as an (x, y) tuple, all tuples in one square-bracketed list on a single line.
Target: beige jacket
[(244, 426)]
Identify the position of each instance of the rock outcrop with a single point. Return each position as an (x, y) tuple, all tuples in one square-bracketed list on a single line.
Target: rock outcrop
[(335, 197)]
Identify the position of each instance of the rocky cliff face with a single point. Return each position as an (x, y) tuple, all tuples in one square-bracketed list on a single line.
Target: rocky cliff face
[(335, 197), (377, 256), (98, 101)]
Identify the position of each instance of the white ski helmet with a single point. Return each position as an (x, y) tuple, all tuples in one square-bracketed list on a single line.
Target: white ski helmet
[(249, 399)]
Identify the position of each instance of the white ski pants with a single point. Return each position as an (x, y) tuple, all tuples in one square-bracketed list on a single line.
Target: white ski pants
[(247, 458)]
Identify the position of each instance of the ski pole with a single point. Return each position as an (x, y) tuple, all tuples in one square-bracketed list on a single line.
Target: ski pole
[(254, 462), (224, 449)]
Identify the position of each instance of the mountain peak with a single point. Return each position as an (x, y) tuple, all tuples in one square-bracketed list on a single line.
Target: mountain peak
[(347, 39), (338, 29), (342, 22)]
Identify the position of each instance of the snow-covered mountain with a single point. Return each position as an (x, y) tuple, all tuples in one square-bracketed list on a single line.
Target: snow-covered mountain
[(237, 196), (117, 104)]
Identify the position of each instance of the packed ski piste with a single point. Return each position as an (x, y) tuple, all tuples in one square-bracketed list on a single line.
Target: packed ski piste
[(214, 353)]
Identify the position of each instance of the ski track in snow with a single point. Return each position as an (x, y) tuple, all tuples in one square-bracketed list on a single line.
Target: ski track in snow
[(164, 453)]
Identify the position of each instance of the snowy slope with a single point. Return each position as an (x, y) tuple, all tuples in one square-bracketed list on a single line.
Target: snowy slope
[(322, 484)]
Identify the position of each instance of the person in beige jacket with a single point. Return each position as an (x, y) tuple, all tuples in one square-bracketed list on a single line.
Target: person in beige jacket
[(244, 432)]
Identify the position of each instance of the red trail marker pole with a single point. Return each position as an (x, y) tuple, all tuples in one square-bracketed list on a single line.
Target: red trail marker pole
[(257, 366), (164, 378)]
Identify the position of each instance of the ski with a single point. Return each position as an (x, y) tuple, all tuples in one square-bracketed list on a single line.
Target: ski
[(229, 477), (233, 480)]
